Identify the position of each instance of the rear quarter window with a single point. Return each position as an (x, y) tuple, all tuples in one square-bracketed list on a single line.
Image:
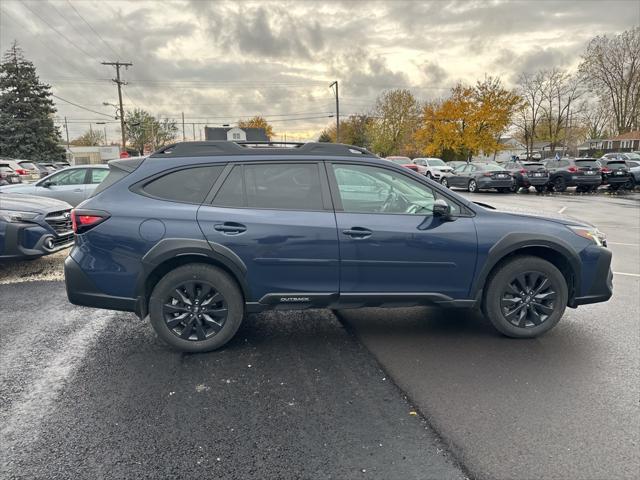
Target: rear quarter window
[(189, 185)]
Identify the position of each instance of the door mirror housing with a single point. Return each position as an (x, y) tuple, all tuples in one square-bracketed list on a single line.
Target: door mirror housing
[(47, 184), (442, 209)]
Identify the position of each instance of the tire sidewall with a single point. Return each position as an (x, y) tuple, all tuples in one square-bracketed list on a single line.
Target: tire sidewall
[(222, 282), (504, 274)]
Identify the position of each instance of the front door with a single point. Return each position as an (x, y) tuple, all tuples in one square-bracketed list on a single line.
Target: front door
[(67, 185), (390, 241), (277, 218)]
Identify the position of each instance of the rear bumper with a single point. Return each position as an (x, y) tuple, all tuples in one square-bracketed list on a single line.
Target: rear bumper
[(616, 179), (601, 288), (535, 181), (82, 291), (586, 180)]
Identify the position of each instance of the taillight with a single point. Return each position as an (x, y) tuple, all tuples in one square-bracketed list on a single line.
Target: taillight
[(21, 171), (523, 171), (605, 170), (84, 220), (573, 169)]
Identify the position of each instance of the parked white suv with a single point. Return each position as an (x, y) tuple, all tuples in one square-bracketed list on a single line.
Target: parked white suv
[(436, 167)]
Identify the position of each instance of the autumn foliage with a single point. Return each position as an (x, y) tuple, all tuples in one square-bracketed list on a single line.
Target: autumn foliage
[(468, 122)]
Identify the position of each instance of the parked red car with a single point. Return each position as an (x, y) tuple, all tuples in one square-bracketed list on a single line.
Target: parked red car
[(407, 163)]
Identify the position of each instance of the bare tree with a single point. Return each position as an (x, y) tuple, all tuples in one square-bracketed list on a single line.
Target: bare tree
[(560, 92), (531, 90), (597, 118), (612, 66)]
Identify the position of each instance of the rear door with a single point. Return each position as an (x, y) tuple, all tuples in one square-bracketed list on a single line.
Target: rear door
[(459, 177), (278, 218)]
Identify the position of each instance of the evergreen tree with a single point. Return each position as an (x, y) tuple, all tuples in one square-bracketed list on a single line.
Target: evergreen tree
[(26, 111)]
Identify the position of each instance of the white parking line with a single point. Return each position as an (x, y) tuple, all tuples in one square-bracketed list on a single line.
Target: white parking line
[(562, 209), (627, 274), (627, 244)]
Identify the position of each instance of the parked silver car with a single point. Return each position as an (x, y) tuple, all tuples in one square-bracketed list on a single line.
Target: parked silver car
[(72, 184)]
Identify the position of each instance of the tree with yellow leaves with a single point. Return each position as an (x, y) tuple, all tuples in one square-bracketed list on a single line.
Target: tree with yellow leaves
[(470, 121), (258, 122)]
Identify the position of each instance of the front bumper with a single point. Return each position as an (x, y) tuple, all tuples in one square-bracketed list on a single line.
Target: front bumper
[(23, 240), (600, 285), (82, 291)]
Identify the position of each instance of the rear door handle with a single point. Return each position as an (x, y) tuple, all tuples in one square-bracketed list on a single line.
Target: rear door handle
[(230, 228), (357, 232)]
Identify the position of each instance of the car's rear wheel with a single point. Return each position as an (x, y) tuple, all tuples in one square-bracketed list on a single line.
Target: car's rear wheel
[(559, 184), (196, 308), (629, 184), (525, 297), (473, 186), (444, 182)]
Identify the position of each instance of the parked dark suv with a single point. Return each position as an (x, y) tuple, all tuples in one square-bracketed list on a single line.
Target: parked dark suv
[(199, 233), (615, 173), (528, 174), (582, 173)]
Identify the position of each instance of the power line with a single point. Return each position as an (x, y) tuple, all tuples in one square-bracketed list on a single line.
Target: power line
[(81, 106), (64, 17), (93, 30), (57, 31)]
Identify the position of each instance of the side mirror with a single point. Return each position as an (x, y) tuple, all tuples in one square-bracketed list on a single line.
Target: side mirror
[(442, 209), (47, 184)]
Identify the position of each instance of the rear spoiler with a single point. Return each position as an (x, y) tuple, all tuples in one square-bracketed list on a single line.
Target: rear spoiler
[(126, 164)]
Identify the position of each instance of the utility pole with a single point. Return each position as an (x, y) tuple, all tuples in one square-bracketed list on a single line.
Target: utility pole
[(183, 135), (337, 112), (119, 82), (193, 125), (66, 129)]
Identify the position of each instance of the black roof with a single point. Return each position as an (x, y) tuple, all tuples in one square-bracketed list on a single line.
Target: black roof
[(225, 147)]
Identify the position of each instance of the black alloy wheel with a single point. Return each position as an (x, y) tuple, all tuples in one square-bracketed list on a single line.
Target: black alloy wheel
[(195, 311), (528, 299), (559, 184)]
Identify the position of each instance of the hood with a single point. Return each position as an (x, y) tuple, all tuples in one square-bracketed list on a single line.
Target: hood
[(19, 188), (540, 214), (31, 203)]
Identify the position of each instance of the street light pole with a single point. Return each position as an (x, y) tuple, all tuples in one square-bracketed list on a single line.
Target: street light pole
[(337, 111)]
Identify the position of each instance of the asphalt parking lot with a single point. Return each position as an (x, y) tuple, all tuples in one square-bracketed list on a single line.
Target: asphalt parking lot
[(405, 393)]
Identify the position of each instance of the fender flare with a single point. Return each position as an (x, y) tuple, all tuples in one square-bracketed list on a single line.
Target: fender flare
[(512, 242), (170, 248)]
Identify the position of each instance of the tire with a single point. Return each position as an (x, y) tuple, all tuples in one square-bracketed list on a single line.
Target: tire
[(559, 184), (507, 295), (515, 187), (218, 322), (629, 185), (540, 188), (472, 187), (444, 182), (429, 175)]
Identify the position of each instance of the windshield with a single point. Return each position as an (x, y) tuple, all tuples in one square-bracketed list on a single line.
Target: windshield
[(587, 163), (437, 162)]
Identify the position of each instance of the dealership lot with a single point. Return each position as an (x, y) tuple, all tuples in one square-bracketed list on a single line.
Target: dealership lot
[(89, 393)]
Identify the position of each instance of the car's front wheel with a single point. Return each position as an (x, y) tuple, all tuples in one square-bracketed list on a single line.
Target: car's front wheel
[(196, 308), (525, 297), (444, 182)]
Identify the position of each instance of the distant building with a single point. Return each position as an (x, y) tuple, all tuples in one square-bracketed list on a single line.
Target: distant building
[(236, 134), (86, 155), (626, 142)]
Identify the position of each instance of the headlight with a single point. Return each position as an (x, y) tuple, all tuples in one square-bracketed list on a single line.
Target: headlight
[(17, 216), (590, 233)]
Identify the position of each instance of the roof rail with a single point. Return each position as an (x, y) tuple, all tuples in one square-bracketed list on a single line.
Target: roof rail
[(226, 147)]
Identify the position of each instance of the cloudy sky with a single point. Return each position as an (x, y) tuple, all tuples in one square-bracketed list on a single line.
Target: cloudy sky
[(218, 61)]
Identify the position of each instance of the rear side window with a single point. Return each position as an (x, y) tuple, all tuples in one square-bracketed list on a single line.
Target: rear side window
[(287, 186), (98, 175), (189, 185)]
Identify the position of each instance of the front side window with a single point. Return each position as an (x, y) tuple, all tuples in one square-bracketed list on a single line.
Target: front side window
[(189, 185), (70, 177), (367, 189)]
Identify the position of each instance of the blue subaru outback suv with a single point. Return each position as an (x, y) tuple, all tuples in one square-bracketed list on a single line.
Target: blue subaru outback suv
[(200, 233)]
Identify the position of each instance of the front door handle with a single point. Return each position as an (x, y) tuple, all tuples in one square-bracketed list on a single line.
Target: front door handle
[(79, 190), (230, 228), (357, 232)]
